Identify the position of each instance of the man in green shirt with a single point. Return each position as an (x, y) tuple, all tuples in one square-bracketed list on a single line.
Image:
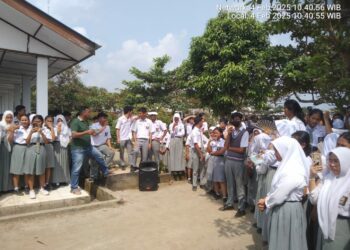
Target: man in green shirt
[(81, 147)]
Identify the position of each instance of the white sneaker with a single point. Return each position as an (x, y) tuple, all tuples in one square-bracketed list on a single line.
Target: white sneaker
[(44, 191), (32, 194)]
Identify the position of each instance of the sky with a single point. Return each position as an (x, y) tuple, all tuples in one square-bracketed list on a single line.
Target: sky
[(132, 33)]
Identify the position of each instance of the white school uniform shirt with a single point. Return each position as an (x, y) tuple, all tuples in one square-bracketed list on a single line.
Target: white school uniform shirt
[(196, 138), (101, 137), (124, 125), (142, 128), (315, 133), (36, 137), (179, 130), (47, 133), (158, 128), (217, 144), (20, 135), (297, 124)]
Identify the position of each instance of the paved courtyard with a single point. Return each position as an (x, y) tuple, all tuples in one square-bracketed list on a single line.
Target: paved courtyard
[(174, 217)]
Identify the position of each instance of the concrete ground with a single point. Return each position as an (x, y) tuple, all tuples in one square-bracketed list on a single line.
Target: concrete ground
[(174, 217)]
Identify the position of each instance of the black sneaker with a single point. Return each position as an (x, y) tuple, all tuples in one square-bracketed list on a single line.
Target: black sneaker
[(226, 207), (217, 196), (239, 213), (48, 187), (194, 188)]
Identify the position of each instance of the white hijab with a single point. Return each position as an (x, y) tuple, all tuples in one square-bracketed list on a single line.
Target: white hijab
[(260, 142), (284, 127), (3, 128), (65, 134), (331, 192), (3, 121), (329, 143), (294, 164), (176, 115)]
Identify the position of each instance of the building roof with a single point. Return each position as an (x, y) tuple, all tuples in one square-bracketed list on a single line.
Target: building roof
[(28, 32)]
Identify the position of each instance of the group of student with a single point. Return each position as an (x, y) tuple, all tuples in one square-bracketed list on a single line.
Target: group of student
[(33, 147), (294, 175)]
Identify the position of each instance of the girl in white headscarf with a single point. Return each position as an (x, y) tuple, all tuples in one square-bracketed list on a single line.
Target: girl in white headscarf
[(61, 174), (332, 197), (177, 132), (6, 125), (287, 222), (259, 146)]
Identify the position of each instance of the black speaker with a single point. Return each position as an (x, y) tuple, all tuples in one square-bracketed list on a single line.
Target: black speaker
[(148, 176)]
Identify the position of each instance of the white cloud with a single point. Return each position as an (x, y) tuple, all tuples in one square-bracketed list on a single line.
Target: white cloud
[(80, 30), (114, 68)]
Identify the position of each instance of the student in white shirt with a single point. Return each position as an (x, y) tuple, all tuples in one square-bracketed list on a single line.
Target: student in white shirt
[(177, 133), (236, 145), (123, 129), (332, 196), (61, 172), (142, 135), (49, 131), (6, 125), (158, 133), (101, 139), (317, 131), (285, 196), (35, 158), (216, 149), (295, 114), (17, 138), (198, 150)]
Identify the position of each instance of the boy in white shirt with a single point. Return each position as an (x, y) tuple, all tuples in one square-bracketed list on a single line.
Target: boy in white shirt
[(101, 139), (159, 131), (142, 135), (123, 131)]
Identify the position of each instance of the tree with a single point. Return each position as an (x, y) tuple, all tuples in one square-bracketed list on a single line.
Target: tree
[(229, 66), (156, 89), (320, 62)]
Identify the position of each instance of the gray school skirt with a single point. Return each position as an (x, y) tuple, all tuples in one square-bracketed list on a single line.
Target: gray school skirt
[(35, 160), (260, 194), (341, 239), (61, 172), (219, 168), (17, 158), (268, 180), (50, 156), (287, 227), (5, 176)]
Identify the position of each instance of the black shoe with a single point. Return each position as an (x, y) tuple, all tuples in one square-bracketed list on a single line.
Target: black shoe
[(217, 196), (201, 186), (226, 207), (240, 213), (18, 193), (48, 187), (194, 188), (224, 200)]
